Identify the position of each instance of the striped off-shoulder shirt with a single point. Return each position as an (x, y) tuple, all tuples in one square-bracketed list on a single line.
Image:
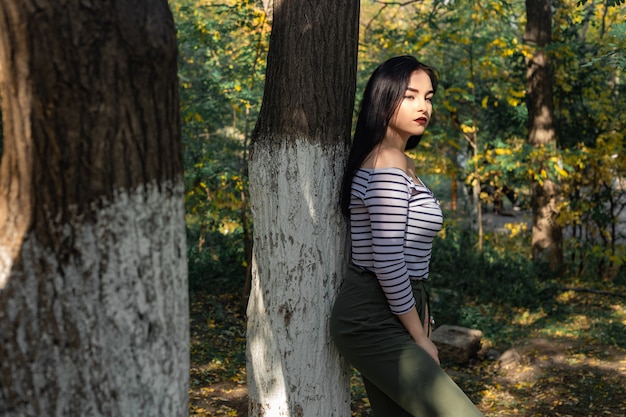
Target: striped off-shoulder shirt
[(393, 221)]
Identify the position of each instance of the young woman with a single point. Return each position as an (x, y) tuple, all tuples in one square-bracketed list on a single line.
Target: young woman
[(381, 318)]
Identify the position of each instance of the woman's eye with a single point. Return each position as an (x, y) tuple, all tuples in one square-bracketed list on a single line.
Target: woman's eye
[(409, 97)]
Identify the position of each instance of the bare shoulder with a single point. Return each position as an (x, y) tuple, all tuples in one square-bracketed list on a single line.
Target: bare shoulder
[(391, 158)]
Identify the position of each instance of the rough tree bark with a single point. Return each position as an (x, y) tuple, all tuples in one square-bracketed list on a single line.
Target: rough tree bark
[(93, 280), (546, 234), (296, 163)]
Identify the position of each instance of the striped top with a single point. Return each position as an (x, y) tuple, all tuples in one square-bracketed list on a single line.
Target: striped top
[(393, 222)]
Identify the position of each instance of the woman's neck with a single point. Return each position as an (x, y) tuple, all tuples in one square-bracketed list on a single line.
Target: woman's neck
[(394, 140)]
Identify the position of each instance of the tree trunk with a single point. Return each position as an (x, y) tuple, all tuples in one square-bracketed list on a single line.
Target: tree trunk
[(93, 279), (547, 234), (296, 163)]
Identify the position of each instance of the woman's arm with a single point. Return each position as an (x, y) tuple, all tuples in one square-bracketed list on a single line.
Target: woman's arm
[(411, 321)]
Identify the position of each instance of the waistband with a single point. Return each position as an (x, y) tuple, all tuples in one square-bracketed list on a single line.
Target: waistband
[(362, 270), (421, 292)]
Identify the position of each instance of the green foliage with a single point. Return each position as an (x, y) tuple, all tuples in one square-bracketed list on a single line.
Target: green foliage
[(609, 3), (217, 266), (615, 54), (507, 296), (479, 131), (478, 51), (222, 49), (216, 215), (593, 204), (504, 271), (585, 88)]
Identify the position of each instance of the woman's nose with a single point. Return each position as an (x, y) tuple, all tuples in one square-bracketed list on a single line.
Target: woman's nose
[(420, 104)]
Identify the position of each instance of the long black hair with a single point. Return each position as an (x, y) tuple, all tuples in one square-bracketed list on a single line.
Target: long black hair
[(382, 96)]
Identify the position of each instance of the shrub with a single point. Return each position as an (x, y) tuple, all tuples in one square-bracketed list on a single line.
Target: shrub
[(217, 266)]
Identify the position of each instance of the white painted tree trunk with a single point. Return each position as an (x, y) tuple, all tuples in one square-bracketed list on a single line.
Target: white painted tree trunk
[(298, 263), (104, 331)]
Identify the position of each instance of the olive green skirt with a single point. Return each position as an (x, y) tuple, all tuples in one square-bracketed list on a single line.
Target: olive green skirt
[(401, 379)]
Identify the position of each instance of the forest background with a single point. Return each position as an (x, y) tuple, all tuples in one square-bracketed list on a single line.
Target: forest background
[(478, 141)]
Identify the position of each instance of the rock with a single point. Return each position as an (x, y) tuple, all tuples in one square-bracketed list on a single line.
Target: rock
[(510, 359), (455, 343), (492, 355)]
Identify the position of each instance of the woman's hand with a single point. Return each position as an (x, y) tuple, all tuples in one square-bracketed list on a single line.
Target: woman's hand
[(411, 321), (430, 348)]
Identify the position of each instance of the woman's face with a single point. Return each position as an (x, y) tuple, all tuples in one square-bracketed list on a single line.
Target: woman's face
[(413, 114)]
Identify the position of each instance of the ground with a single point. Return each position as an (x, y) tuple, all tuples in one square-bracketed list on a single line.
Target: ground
[(556, 370)]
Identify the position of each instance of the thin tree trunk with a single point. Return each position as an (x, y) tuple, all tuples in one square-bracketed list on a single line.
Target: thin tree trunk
[(93, 279), (296, 163), (453, 193)]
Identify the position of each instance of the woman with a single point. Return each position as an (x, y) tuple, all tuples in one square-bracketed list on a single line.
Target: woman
[(381, 319)]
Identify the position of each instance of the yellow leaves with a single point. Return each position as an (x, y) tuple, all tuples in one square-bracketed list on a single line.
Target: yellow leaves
[(259, 19), (467, 129), (556, 161), (525, 317), (455, 90), (526, 51), (503, 151), (563, 173), (383, 42), (484, 102), (498, 43), (516, 229), (504, 47), (454, 144), (513, 102), (461, 40), (449, 106), (427, 38), (509, 52), (229, 226)]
